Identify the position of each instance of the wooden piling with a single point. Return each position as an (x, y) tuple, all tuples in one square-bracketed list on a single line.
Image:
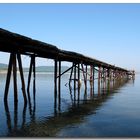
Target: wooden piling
[(79, 78), (104, 72), (86, 77), (34, 77), (8, 77), (108, 74), (99, 76), (83, 74), (79, 84), (22, 77), (99, 73), (13, 66), (15, 78), (29, 76), (93, 75), (71, 76), (55, 83), (91, 72), (59, 87), (74, 83), (74, 76)]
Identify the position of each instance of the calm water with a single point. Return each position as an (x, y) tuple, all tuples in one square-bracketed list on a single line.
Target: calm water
[(112, 111)]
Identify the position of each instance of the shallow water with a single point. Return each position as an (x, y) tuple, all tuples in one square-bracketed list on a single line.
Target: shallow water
[(113, 110)]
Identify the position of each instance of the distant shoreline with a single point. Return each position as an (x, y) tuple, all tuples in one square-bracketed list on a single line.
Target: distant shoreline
[(26, 72), (39, 69), (2, 71)]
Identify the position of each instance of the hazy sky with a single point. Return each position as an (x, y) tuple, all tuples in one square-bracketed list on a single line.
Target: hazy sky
[(108, 32)]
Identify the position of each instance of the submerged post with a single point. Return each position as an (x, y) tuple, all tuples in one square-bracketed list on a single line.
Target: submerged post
[(86, 77), (55, 82), (74, 83), (74, 76), (32, 67), (15, 78), (34, 75), (93, 75), (13, 66), (99, 73), (79, 82), (30, 72), (83, 75), (71, 76), (99, 76), (22, 77), (59, 85), (8, 78)]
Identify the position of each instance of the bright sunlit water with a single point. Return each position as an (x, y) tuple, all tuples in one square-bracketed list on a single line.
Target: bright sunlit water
[(112, 111)]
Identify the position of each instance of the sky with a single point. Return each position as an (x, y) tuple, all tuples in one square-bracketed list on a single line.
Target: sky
[(108, 32)]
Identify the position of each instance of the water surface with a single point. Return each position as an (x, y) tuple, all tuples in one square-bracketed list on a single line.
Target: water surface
[(111, 110)]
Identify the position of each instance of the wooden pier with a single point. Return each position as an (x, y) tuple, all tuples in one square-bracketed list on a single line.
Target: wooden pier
[(18, 45)]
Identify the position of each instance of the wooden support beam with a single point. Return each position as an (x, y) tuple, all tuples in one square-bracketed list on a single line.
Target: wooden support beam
[(29, 76), (108, 73), (79, 85), (34, 77), (93, 75), (99, 73), (59, 81), (8, 77), (65, 72), (91, 72), (71, 75), (22, 77), (32, 68), (83, 71), (59, 86), (74, 76), (108, 85), (83, 74), (74, 83), (96, 69), (78, 78), (55, 83), (13, 64), (103, 75), (86, 76), (99, 76), (15, 78)]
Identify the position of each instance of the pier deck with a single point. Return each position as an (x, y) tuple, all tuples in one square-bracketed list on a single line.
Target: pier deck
[(18, 45)]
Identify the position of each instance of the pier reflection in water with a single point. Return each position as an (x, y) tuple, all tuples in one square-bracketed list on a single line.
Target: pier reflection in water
[(82, 105)]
